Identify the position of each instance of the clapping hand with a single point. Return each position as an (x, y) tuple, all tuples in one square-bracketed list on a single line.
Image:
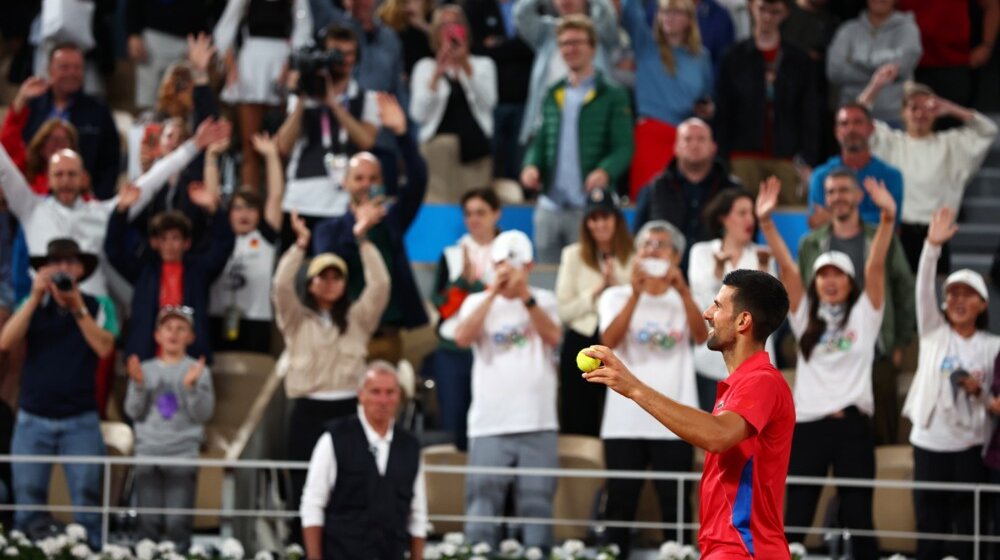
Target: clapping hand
[(391, 114), (33, 87), (942, 227), (767, 198), (302, 233), (367, 215), (881, 196), (194, 373)]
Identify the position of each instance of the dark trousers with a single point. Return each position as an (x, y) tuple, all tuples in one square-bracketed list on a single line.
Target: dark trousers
[(945, 512), (623, 494), (846, 444), (912, 237), (885, 386), (451, 371), (508, 153), (306, 424), (581, 404)]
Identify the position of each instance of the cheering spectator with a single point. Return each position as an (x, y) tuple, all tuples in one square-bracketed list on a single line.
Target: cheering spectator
[(847, 233), (584, 143), (67, 213), (464, 268), (380, 65), (411, 20), (694, 177), (494, 35), (390, 221), (326, 336), (730, 219), (513, 330), (254, 74), (165, 271), (936, 166), (64, 98), (854, 128), (601, 259), (57, 409), (676, 82), (158, 35), (32, 155), (949, 400), (452, 99), (170, 398), (239, 307), (541, 32), (650, 323), (349, 509), (332, 120), (836, 320), (768, 105), (880, 36)]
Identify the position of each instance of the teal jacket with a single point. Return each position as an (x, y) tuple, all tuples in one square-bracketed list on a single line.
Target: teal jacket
[(605, 132), (899, 321)]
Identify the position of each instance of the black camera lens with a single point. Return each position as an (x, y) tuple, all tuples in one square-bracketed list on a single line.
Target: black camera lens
[(63, 281)]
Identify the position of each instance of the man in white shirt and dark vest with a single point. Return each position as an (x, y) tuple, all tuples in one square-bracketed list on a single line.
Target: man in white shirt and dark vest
[(364, 495)]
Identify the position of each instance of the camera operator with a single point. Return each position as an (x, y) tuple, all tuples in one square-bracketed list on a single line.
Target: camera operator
[(66, 332), (331, 119)]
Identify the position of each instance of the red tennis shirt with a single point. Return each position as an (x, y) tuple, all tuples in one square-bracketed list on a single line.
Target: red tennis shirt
[(743, 489)]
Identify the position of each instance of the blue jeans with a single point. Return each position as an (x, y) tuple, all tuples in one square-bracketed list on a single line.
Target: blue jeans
[(76, 435)]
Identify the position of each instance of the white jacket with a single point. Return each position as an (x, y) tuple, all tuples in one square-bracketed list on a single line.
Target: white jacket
[(427, 107), (934, 332)]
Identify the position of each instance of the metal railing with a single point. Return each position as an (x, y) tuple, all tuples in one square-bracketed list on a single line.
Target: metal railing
[(227, 512)]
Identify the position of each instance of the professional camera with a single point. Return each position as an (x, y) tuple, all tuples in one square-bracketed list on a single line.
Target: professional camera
[(313, 64), (63, 281)]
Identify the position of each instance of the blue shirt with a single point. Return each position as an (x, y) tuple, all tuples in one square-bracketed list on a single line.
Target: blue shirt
[(567, 187), (876, 168), (715, 24), (660, 95), (507, 14)]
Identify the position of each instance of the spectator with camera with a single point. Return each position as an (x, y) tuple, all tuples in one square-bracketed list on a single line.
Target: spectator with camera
[(380, 60), (63, 97), (256, 65), (332, 119), (452, 99), (67, 331), (165, 271), (240, 313), (392, 218)]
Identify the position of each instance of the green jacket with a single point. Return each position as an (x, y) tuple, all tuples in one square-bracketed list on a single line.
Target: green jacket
[(605, 132), (899, 321)]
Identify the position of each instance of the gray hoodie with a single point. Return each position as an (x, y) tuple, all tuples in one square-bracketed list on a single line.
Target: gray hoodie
[(169, 418), (859, 49)]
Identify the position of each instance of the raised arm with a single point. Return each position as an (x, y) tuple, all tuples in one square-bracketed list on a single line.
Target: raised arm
[(875, 266), (20, 198), (531, 25), (882, 77), (288, 308), (367, 310), (767, 201), (291, 128), (941, 229), (268, 148)]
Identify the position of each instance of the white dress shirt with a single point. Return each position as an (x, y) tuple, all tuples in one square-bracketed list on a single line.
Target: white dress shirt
[(323, 475)]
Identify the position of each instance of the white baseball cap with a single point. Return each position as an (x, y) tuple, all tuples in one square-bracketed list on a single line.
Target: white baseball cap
[(834, 258), (512, 246), (970, 278)]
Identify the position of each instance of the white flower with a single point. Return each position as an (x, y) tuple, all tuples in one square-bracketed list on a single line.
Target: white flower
[(573, 546), (80, 550), (197, 551), (431, 553), (76, 532), (481, 549), (263, 555), (613, 549), (454, 538), (145, 549), (11, 551), (533, 553), (231, 548), (796, 549), (688, 552), (3, 541), (447, 548), (477, 557), (603, 556), (898, 557), (670, 550), (166, 547), (510, 547), (17, 535), (173, 556), (294, 550), (116, 552)]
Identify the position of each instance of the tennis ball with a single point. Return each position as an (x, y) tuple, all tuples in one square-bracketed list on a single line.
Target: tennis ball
[(586, 363)]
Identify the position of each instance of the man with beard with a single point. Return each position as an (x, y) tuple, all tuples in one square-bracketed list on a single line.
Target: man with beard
[(854, 127), (847, 232), (748, 437)]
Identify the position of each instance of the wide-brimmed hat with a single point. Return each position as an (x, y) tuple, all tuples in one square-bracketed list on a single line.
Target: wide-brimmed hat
[(65, 248)]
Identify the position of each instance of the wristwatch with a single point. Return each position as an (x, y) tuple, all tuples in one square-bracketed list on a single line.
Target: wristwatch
[(530, 302), (80, 312)]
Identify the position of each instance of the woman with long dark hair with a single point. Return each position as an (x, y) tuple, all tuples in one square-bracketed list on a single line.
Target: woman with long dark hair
[(948, 399), (601, 259), (836, 323)]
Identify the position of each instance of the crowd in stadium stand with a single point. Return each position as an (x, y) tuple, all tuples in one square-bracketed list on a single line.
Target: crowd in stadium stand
[(282, 149)]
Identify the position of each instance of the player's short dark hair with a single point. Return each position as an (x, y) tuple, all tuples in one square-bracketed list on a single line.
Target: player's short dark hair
[(761, 295)]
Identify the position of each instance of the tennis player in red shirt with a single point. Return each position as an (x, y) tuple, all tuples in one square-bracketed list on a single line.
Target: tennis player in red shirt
[(748, 437)]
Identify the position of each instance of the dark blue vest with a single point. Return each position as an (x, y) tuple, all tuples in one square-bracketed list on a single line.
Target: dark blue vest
[(367, 514), (58, 380)]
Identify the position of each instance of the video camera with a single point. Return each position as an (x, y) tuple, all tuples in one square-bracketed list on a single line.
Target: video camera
[(313, 64)]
